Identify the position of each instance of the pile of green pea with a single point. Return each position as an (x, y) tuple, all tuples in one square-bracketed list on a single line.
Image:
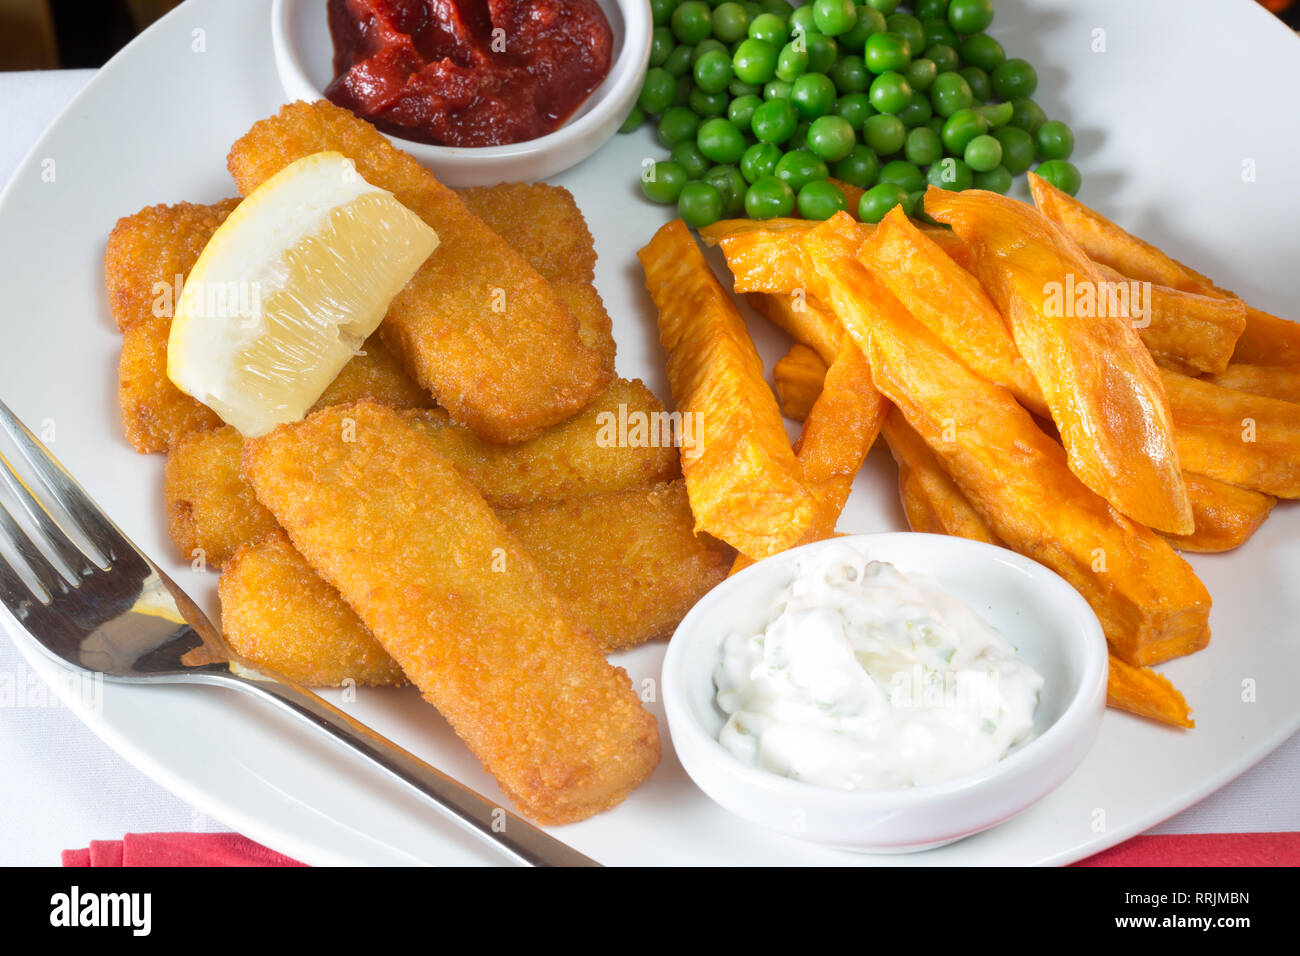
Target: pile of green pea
[(762, 104)]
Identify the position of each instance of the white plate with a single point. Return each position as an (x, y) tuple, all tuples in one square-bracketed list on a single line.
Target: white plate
[(1163, 137)]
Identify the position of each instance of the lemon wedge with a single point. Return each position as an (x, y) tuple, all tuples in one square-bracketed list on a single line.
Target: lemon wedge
[(287, 290)]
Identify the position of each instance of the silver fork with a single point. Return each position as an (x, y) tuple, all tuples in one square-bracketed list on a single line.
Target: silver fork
[(119, 615)]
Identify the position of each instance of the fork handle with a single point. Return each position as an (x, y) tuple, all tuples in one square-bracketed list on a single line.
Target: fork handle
[(504, 831)]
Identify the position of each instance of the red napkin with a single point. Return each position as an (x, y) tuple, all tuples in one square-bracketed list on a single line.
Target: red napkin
[(177, 849)]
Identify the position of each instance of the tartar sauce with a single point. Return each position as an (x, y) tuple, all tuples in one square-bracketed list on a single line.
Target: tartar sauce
[(867, 678)]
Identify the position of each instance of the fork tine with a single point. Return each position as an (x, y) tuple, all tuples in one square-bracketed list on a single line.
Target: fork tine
[(13, 591), (83, 510), (41, 569), (63, 546)]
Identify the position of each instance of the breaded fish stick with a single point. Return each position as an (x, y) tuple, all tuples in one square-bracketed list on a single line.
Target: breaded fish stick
[(478, 326), (460, 605), (541, 222), (279, 613), (155, 413), (374, 373)]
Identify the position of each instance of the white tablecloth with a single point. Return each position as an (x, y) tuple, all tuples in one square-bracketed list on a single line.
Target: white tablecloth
[(61, 787)]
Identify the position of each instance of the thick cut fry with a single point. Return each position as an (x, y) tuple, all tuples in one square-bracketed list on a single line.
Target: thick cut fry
[(455, 599), (931, 499), (211, 508), (1110, 245), (1099, 380), (374, 373), (743, 479), (478, 327), (542, 223), (149, 254), (1269, 341), (1243, 439), (1151, 605), (628, 563), (155, 413), (280, 614), (1226, 516), (619, 441), (1142, 691), (951, 303), (1280, 383), (1183, 330), (803, 319), (798, 377), (766, 259)]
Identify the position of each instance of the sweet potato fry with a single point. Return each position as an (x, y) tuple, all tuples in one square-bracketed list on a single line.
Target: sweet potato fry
[(1281, 383), (765, 257), (1142, 691), (951, 303), (1226, 516), (798, 377), (931, 499), (280, 614), (744, 481), (1268, 341), (804, 319), (367, 499), (1151, 605), (1247, 440), (1099, 380), (477, 325)]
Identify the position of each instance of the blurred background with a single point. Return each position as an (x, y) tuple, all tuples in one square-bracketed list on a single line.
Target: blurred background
[(53, 34)]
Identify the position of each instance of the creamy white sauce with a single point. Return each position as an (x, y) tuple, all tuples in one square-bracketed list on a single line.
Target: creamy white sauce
[(868, 679)]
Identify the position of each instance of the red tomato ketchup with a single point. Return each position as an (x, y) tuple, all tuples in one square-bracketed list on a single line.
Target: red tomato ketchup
[(467, 72)]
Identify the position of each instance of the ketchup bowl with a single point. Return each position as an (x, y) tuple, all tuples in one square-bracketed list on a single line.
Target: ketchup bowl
[(304, 59), (1047, 622)]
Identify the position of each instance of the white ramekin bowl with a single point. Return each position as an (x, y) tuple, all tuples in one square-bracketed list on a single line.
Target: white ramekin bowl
[(304, 58), (1048, 622)]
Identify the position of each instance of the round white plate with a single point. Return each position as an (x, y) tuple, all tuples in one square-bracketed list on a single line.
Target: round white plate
[(1168, 148)]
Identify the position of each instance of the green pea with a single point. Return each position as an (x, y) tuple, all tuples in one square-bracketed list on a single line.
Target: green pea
[(699, 204), (685, 87), (799, 167), (983, 153), (935, 124), (774, 121), (921, 73), (1027, 115), (1014, 79), (661, 11), (661, 44), (859, 168), (869, 21), (676, 125), (909, 28), (938, 32), (713, 71), (663, 182), (657, 91), (754, 61), (635, 117), (883, 6), (923, 146), (813, 95), (995, 180), (730, 22), (890, 92), (970, 16), (884, 133), (903, 173), (887, 51), (708, 45), (801, 21), (728, 181), (770, 28), (917, 112), (751, 8), (777, 90), (1055, 140), (834, 17), (741, 110), (778, 8), (1018, 149), (692, 21), (823, 51), (951, 174), (962, 127), (737, 88), (854, 107), (950, 93), (688, 156), (768, 198), (831, 138), (944, 58), (820, 200), (759, 160), (879, 199), (679, 61), (792, 61), (850, 74), (708, 104), (931, 9), (981, 50), (980, 86), (720, 141), (800, 138), (1063, 175), (998, 114)]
